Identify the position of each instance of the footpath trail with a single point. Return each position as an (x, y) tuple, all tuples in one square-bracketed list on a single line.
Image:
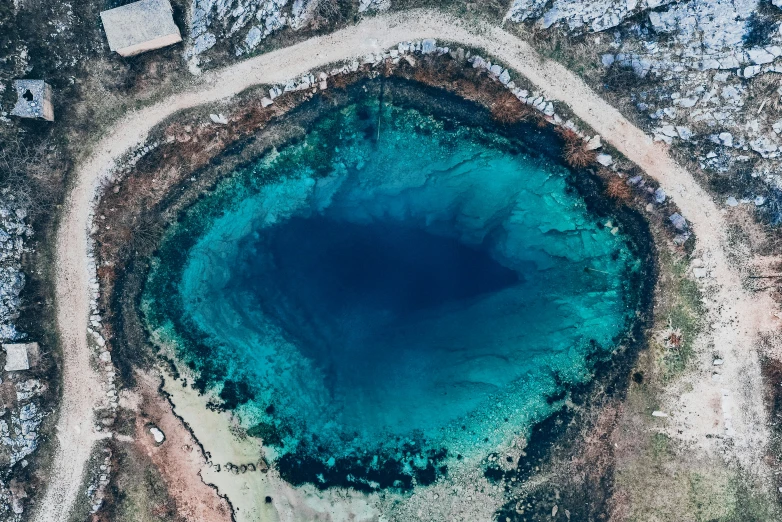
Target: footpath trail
[(82, 385)]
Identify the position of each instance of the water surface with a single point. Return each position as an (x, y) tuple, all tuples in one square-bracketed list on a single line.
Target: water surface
[(376, 303)]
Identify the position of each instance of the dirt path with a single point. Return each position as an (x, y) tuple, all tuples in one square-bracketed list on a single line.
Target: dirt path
[(738, 315)]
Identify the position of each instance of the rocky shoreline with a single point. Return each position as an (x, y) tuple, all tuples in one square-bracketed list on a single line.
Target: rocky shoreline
[(304, 86)]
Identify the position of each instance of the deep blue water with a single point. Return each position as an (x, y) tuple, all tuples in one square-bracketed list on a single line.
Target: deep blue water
[(431, 287), (377, 275), (357, 270)]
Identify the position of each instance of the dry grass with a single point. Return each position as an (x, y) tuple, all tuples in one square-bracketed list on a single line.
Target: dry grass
[(765, 93), (33, 172), (329, 10), (474, 85), (579, 55), (140, 493), (507, 109), (595, 460), (341, 81), (576, 154), (617, 189), (566, 134), (575, 151)]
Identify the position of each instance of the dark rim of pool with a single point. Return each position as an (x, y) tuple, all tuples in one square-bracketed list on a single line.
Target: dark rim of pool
[(527, 138)]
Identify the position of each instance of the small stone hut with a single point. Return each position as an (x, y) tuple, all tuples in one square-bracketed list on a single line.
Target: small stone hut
[(141, 26), (18, 356), (33, 100)]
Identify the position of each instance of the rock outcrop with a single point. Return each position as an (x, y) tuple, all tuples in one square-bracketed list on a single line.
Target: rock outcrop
[(705, 77), (13, 233)]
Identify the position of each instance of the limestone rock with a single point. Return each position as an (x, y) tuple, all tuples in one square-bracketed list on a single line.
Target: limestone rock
[(594, 143), (218, 118), (428, 46), (604, 159), (157, 435), (678, 221)]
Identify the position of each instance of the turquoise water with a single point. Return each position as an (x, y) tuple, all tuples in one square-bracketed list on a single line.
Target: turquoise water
[(374, 305)]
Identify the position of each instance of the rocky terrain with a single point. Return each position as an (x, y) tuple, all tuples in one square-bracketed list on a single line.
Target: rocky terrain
[(13, 233), (244, 24), (702, 76), (21, 409)]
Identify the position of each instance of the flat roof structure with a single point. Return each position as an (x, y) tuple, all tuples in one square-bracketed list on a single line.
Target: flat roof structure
[(141, 26), (33, 100), (16, 356)]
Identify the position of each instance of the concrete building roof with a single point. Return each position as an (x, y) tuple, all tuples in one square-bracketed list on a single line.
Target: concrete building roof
[(141, 26), (33, 100), (16, 356)]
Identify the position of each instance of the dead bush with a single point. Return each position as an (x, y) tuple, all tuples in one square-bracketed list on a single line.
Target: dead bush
[(507, 109), (33, 172), (341, 81), (765, 91), (575, 151), (106, 274), (617, 189), (567, 135), (328, 12), (433, 74), (577, 155)]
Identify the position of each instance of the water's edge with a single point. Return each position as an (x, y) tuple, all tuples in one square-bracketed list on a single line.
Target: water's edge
[(610, 373), (304, 468)]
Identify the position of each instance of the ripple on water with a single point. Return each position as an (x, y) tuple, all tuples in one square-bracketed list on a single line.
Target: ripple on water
[(374, 307)]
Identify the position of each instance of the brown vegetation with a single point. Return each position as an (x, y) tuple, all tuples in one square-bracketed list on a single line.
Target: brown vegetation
[(33, 172), (593, 464), (765, 92), (469, 83), (674, 339), (578, 156), (617, 189), (330, 10), (507, 109), (341, 81), (575, 150)]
